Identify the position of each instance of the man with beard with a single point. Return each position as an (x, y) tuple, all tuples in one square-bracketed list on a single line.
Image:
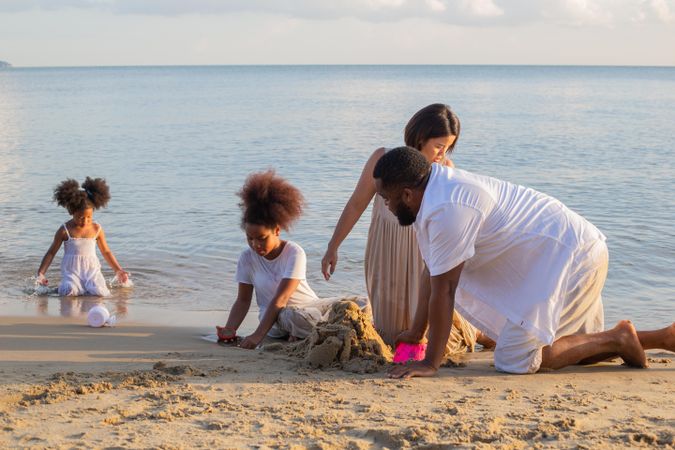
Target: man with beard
[(516, 263)]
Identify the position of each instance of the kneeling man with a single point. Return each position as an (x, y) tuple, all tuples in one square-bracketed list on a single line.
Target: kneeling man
[(516, 263)]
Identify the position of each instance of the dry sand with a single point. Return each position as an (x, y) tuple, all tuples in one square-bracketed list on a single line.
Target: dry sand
[(65, 385)]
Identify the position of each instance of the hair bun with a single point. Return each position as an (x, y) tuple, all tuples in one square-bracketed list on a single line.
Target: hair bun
[(94, 194)]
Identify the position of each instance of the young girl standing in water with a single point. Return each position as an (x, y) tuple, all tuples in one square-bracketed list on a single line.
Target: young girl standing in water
[(272, 267), (80, 267)]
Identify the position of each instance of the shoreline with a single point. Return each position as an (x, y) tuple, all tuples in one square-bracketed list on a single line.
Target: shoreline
[(143, 385), (74, 310)]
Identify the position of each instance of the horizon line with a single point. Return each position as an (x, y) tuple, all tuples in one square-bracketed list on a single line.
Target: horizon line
[(120, 66)]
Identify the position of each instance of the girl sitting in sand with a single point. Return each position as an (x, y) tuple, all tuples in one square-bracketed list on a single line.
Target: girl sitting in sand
[(273, 267), (80, 267)]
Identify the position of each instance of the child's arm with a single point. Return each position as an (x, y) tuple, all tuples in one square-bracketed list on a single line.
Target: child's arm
[(59, 237), (122, 276), (284, 292), (237, 313)]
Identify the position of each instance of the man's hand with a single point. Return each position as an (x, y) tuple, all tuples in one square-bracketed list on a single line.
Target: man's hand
[(250, 342), (413, 369)]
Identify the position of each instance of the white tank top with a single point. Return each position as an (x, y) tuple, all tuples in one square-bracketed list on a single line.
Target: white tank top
[(80, 246)]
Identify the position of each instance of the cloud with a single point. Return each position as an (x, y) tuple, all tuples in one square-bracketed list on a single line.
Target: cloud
[(578, 13), (481, 8), (436, 5), (662, 10), (27, 5)]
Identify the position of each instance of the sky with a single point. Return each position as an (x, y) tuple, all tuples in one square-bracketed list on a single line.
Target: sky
[(213, 32)]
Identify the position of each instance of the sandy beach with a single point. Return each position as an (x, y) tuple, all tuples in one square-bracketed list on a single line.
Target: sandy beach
[(65, 385)]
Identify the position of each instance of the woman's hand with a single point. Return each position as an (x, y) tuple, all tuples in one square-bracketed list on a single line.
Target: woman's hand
[(413, 369), (329, 262), (250, 342), (411, 337)]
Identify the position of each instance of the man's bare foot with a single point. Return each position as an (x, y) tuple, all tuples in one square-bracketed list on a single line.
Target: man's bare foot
[(629, 347), (669, 341)]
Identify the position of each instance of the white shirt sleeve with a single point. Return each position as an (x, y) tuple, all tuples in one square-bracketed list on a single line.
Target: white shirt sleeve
[(243, 274), (296, 264), (452, 231)]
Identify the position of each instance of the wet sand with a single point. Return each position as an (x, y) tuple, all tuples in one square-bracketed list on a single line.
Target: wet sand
[(65, 385)]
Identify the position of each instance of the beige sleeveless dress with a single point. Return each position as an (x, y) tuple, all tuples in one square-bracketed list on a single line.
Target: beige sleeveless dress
[(393, 266)]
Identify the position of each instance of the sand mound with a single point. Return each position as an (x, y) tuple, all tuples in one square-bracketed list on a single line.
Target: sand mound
[(347, 340), (61, 388), (64, 386)]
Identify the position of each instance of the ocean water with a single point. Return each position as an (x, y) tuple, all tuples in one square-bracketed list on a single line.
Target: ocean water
[(175, 144)]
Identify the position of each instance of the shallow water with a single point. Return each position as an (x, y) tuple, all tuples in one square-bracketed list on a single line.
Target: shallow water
[(175, 144)]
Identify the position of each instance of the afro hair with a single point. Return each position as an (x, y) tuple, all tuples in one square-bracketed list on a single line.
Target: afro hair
[(94, 194), (269, 200)]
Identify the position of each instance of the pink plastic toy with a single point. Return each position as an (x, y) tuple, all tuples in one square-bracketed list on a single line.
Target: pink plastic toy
[(406, 352)]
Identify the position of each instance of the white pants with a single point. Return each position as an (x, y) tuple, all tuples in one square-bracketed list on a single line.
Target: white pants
[(300, 321), (518, 351)]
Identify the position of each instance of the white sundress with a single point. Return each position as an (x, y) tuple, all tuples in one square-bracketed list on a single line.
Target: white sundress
[(80, 268)]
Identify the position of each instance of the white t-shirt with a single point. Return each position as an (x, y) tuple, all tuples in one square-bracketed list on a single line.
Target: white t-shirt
[(518, 246), (265, 275)]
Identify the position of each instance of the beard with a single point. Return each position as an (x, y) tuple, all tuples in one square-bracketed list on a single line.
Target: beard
[(405, 215)]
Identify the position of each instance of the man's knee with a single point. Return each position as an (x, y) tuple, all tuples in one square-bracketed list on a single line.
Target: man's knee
[(519, 363), (517, 351)]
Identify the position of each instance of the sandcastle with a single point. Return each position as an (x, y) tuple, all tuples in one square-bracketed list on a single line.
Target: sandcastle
[(346, 340)]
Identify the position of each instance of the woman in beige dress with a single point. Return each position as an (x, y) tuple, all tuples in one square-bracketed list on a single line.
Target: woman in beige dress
[(393, 264)]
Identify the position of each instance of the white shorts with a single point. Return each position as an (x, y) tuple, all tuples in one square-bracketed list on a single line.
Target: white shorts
[(518, 351)]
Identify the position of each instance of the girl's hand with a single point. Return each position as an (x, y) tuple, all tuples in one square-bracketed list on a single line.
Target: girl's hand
[(250, 342), (42, 280), (329, 262), (226, 334), (122, 276)]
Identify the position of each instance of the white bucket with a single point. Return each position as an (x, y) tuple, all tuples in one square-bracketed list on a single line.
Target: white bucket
[(99, 316)]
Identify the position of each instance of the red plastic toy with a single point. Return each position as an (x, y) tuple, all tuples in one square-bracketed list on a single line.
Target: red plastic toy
[(409, 352), (226, 335)]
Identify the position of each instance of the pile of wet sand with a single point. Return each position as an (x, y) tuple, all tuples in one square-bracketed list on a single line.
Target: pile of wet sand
[(346, 340)]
